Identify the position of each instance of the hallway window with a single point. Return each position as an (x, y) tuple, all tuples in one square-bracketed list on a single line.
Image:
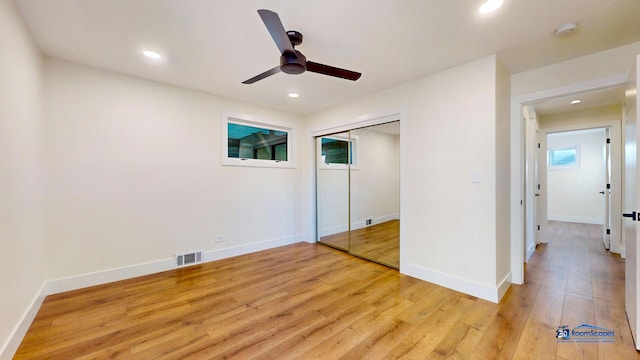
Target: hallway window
[(563, 158)]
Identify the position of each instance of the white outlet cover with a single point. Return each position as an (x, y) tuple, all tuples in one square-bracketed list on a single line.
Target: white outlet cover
[(475, 177)]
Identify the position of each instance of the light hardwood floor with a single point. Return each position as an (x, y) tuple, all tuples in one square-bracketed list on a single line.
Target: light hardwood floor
[(379, 242), (308, 301)]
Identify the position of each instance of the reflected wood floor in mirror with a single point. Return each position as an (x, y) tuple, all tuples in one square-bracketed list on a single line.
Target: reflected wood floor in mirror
[(379, 242), (306, 301)]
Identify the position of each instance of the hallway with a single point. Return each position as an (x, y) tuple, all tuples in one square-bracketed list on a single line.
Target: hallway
[(573, 280)]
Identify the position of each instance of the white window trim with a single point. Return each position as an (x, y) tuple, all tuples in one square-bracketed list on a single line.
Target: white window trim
[(325, 166), (252, 121), (574, 166)]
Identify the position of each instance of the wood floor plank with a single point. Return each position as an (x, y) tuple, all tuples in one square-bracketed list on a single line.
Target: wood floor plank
[(377, 344), (537, 341), (623, 347), (577, 310), (378, 242), (306, 341), (459, 343), (432, 330), (500, 339)]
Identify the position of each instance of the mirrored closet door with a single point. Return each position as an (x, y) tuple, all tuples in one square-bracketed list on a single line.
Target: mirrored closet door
[(333, 190), (358, 192)]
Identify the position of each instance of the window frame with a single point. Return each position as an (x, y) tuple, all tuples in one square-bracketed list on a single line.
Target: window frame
[(575, 165), (246, 162)]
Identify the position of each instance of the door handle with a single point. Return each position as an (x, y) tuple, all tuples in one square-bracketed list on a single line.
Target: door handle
[(630, 215), (602, 192), (537, 194)]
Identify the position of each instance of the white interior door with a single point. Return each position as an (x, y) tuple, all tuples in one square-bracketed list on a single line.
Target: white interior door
[(630, 203), (540, 220), (606, 231)]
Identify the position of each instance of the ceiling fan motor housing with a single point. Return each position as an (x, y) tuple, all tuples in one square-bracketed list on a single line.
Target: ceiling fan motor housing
[(293, 65)]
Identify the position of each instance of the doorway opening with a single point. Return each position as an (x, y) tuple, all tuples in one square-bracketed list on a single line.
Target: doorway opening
[(578, 165), (598, 96), (578, 178)]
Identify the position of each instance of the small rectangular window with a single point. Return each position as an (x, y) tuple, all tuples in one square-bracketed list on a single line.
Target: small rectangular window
[(250, 143), (563, 158)]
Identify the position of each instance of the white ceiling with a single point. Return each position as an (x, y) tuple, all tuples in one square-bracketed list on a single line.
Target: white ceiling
[(592, 99), (214, 45)]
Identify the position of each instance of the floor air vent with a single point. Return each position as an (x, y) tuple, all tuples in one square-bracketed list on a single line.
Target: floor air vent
[(187, 259)]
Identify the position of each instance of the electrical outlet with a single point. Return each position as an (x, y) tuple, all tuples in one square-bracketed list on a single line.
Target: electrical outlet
[(220, 238), (369, 221)]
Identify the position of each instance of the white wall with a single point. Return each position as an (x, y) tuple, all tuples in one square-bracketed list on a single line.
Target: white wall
[(573, 192), (333, 200), (503, 177), (22, 244), (616, 62), (449, 224), (375, 183), (135, 174)]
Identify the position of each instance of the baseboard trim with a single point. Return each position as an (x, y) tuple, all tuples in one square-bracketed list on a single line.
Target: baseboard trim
[(357, 225), (504, 285), (10, 347), (482, 291), (333, 230), (220, 254), (76, 282), (530, 250), (70, 283), (575, 219)]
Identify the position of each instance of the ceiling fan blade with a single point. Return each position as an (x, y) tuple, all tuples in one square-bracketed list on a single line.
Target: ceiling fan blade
[(265, 74), (272, 21), (332, 71)]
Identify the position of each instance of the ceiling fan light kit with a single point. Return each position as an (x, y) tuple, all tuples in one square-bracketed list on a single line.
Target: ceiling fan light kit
[(293, 61)]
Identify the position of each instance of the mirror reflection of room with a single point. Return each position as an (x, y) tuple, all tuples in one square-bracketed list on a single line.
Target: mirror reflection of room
[(333, 190), (359, 192)]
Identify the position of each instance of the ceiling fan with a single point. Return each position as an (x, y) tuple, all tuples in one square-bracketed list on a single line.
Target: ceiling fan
[(292, 61)]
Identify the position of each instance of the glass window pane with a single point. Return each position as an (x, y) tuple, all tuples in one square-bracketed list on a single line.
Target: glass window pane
[(251, 142), (335, 151), (563, 157), (263, 153), (281, 152)]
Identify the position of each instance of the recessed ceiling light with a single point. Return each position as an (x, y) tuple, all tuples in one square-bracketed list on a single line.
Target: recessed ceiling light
[(576, 101), (294, 95), (490, 6), (151, 54)]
